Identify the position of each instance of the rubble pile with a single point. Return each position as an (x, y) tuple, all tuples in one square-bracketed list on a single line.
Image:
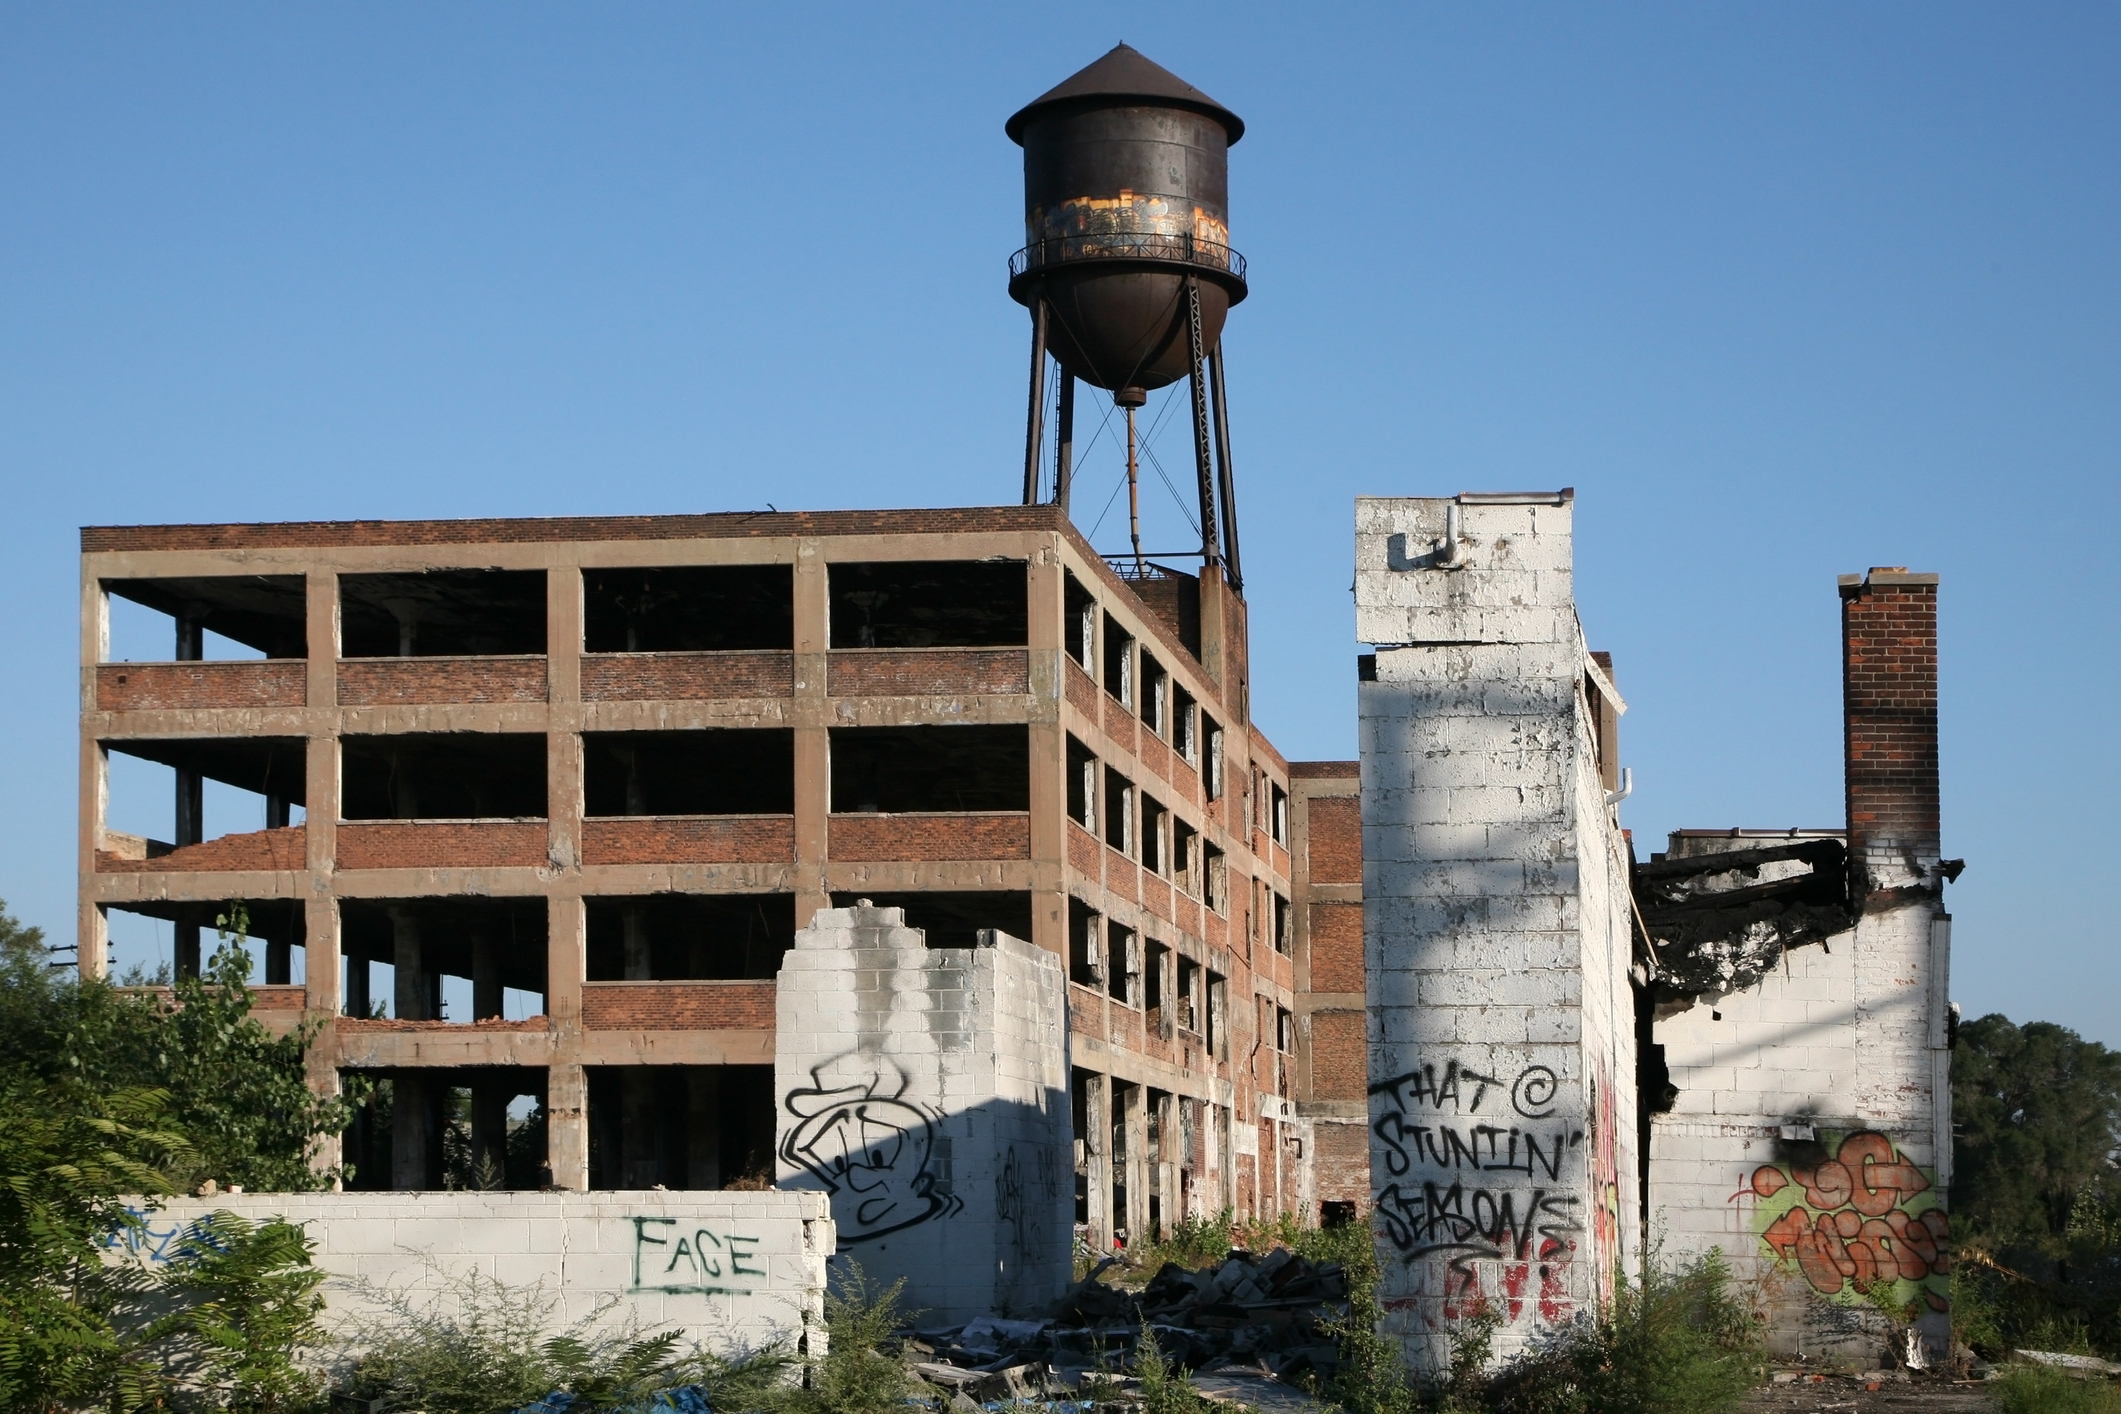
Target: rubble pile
[(1263, 1314)]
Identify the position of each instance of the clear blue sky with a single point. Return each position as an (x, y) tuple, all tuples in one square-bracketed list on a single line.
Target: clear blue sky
[(1783, 290)]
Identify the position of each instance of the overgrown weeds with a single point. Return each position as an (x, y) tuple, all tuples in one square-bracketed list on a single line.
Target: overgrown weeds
[(862, 1370), (2036, 1389), (1165, 1388)]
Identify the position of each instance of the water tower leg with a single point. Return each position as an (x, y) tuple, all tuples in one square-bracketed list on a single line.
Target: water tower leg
[(1232, 567), (1064, 441), (1203, 472), (1035, 430)]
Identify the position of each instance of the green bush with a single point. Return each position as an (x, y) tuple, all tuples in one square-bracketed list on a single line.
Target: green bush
[(861, 1371), (2035, 1389)]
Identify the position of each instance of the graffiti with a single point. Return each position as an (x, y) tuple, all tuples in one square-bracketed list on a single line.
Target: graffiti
[(1455, 1126), (1605, 1181), (141, 1239), (697, 1262), (1009, 1203), (1850, 1223), (868, 1145)]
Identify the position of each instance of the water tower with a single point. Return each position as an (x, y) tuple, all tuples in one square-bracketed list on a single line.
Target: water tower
[(1127, 268)]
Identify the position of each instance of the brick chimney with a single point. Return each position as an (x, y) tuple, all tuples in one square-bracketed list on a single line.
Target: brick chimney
[(1889, 725)]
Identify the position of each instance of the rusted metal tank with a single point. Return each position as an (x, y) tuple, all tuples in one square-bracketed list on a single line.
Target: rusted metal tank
[(1126, 196)]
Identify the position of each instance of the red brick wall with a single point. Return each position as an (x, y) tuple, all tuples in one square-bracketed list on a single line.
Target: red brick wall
[(144, 687), (1343, 1162), (1156, 896), (1085, 854), (686, 677), (1081, 691), (1336, 839), (893, 837), (278, 998), (1889, 707), (1339, 1064), (443, 844), (1336, 947), (256, 851), (384, 682), (689, 839), (678, 1006), (879, 672), (1120, 725)]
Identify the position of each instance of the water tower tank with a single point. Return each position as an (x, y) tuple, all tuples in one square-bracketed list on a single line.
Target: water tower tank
[(1126, 195)]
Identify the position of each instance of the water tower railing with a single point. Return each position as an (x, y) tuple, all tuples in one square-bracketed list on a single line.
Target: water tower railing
[(1127, 245)]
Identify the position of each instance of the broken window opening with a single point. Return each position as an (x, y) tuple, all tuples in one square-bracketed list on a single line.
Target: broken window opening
[(1123, 964), (1185, 726), (210, 618), (155, 941), (1119, 662), (169, 792), (1277, 813), (1156, 988), (1212, 736), (688, 609), (680, 1127), (1217, 1034), (930, 604), (722, 771), (688, 937), (1155, 695), (1185, 857), (1283, 933), (955, 919), (1082, 785), (1079, 622), (1215, 872), (1156, 851), (1188, 997), (1086, 962), (898, 770), (1119, 812), (458, 959), (468, 1127), (1083, 1111), (442, 614), (443, 776)]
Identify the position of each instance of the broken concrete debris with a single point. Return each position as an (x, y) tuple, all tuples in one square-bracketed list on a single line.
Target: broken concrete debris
[(1265, 1315)]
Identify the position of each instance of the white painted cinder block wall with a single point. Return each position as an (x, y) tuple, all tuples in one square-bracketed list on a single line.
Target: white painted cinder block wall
[(733, 1271), (926, 1091), (1501, 1038)]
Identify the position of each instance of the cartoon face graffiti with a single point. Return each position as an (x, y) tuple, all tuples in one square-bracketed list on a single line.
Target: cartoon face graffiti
[(1864, 1217), (870, 1148)]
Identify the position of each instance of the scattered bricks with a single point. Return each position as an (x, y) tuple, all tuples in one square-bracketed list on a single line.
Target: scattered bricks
[(678, 1006), (999, 835), (149, 687), (886, 672), (689, 839), (391, 682), (260, 851), (1336, 839), (686, 677), (1336, 947), (443, 844)]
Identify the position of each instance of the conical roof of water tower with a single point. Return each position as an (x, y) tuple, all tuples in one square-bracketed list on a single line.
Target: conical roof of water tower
[(1123, 74)]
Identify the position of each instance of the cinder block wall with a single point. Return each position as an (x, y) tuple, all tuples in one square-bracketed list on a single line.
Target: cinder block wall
[(733, 1271), (1809, 1136), (925, 1090), (1496, 937)]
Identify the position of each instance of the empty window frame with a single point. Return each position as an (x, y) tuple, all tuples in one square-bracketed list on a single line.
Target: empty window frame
[(1119, 662), (1155, 695), (442, 613), (688, 937), (1119, 812), (1212, 746), (1086, 953), (1156, 837), (1156, 984), (442, 776), (267, 614), (1217, 1032), (898, 770), (1123, 964), (954, 918), (714, 772), (1284, 1030), (1185, 726), (1278, 813), (929, 604), (1283, 932), (1082, 785), (1079, 627), (1187, 999), (1185, 856), (1215, 878), (688, 609), (434, 946)]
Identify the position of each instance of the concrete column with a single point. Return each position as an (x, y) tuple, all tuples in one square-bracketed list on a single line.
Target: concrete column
[(410, 989), (1097, 1160), (1136, 1120), (813, 778), (703, 1129), (489, 1128), (1047, 597), (410, 1106), (191, 800), (567, 1127), (485, 975), (91, 923), (563, 741)]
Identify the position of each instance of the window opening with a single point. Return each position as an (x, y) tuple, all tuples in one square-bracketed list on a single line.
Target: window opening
[(688, 609), (725, 771), (929, 604), (442, 613), (912, 769)]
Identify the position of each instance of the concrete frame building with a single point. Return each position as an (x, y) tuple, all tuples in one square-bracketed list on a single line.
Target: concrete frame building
[(616, 763)]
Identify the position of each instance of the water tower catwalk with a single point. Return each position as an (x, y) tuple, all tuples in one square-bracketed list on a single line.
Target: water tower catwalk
[(1127, 267)]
